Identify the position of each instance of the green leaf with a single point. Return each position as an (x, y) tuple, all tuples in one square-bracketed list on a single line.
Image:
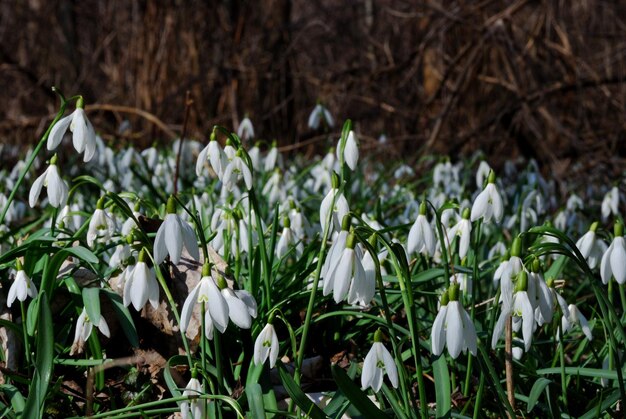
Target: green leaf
[(255, 400), (583, 372), (14, 395), (295, 392), (167, 373), (82, 253), (442, 387), (43, 362), (125, 318), (91, 300), (356, 396), (538, 388)]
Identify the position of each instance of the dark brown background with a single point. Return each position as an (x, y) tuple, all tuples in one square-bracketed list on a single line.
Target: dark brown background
[(542, 79)]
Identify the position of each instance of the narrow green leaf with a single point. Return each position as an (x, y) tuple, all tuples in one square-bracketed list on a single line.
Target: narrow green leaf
[(295, 392), (538, 388), (255, 400), (91, 300), (43, 361), (442, 387), (82, 253), (356, 396), (583, 372), (167, 373)]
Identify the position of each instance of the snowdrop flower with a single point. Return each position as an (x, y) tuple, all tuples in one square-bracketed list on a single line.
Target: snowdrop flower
[(488, 203), (421, 236), (610, 203), (540, 296), (193, 408), (56, 187), (347, 275), (335, 203), (266, 345), (84, 326), (245, 130), (141, 285), (84, 136), (316, 116), (287, 239), (378, 361), (120, 256), (239, 310), (614, 260), (236, 169), (173, 234), (271, 159), (482, 173), (273, 188), (216, 156), (336, 249), (208, 295), (453, 327), (21, 287), (520, 308), (101, 225), (348, 151), (255, 157), (462, 229), (591, 247), (574, 316)]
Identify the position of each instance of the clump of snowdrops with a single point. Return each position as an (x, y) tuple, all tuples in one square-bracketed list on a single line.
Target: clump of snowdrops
[(454, 291)]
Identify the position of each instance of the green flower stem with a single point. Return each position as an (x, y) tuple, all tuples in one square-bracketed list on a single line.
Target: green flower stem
[(479, 397), (26, 342), (563, 376), (473, 296), (218, 360), (34, 154), (387, 314), (311, 304)]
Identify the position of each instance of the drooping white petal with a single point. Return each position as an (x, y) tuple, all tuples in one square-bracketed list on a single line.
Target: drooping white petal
[(438, 333), (202, 159), (190, 240), (605, 265), (237, 310), (174, 236), (479, 209), (351, 151), (35, 190), (469, 333), (390, 365), (57, 189), (187, 311), (454, 329), (57, 132), (618, 260), (343, 275)]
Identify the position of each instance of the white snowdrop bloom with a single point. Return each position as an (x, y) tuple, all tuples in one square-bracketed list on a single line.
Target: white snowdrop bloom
[(84, 136), (488, 203), (591, 246), (21, 288), (255, 157), (299, 224), (120, 256), (245, 131), (84, 326), (172, 235), (249, 301), (266, 346), (319, 113), (141, 285), (215, 305), (216, 156), (610, 203), (236, 169), (350, 151), (334, 254), (363, 287), (574, 316), (347, 270), (403, 171), (574, 203), (101, 226), (269, 163), (237, 309), (273, 189), (453, 326), (521, 308), (378, 361), (130, 224), (338, 210), (56, 187), (613, 262), (193, 408), (70, 217), (421, 236), (498, 249), (482, 173), (287, 240), (151, 156), (540, 298), (462, 230)]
